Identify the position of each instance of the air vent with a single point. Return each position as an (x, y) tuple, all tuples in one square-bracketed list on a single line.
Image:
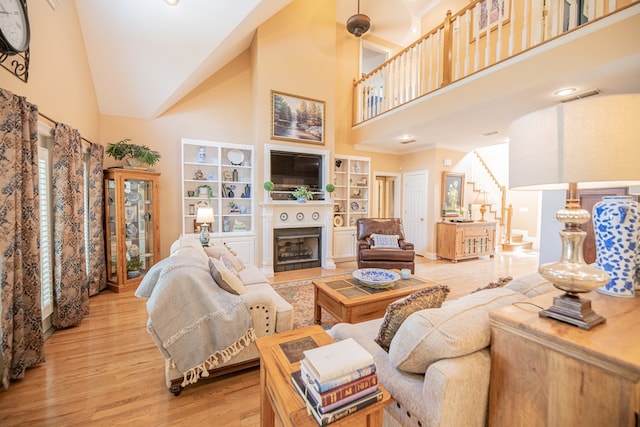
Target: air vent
[(580, 95), (407, 141)]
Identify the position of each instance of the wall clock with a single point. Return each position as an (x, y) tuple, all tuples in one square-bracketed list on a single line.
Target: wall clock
[(15, 32)]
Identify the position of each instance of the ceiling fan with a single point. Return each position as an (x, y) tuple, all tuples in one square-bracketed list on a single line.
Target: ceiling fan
[(359, 23)]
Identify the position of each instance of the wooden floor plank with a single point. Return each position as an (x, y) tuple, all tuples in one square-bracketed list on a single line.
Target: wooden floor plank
[(107, 371)]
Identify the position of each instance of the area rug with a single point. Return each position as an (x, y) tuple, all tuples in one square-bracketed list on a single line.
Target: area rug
[(299, 294)]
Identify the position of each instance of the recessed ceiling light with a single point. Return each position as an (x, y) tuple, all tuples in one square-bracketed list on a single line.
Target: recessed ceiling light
[(405, 137), (565, 92), (172, 2), (414, 30)]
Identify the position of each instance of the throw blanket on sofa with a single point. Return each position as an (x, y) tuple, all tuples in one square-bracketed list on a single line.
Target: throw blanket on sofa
[(195, 323)]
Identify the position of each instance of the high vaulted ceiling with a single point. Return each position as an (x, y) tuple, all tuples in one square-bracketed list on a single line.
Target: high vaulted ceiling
[(146, 55)]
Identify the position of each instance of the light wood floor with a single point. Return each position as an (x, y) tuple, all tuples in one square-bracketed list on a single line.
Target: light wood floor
[(107, 371)]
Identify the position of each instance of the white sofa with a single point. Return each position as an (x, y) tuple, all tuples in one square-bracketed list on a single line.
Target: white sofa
[(269, 312), (438, 365)]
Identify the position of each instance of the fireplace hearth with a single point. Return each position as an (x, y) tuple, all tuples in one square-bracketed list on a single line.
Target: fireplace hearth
[(296, 248)]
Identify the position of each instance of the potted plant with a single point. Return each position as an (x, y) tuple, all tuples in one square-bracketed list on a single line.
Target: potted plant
[(330, 189), (133, 267), (133, 154), (302, 194)]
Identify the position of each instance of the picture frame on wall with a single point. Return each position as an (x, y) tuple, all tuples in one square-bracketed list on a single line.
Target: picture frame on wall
[(297, 118), (488, 13), (452, 193)]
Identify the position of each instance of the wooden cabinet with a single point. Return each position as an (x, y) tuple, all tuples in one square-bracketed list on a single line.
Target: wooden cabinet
[(132, 224), (462, 240), (221, 176), (549, 373), (344, 243)]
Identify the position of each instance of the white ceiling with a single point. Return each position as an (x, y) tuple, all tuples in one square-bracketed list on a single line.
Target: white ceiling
[(145, 56)]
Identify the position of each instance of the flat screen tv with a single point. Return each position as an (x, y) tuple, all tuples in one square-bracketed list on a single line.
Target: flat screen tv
[(290, 170)]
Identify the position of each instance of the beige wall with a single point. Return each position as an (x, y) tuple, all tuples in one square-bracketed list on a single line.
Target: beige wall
[(59, 77)]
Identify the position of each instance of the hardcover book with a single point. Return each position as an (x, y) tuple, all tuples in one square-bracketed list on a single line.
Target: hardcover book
[(336, 382), (313, 398), (332, 416), (337, 359), (337, 394)]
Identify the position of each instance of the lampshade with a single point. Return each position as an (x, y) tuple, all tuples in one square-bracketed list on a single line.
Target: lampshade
[(205, 216), (594, 142)]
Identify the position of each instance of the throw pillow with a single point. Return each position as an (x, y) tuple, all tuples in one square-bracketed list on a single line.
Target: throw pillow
[(232, 263), (500, 283), (458, 328), (398, 311), (224, 278), (216, 251), (385, 240), (531, 285)]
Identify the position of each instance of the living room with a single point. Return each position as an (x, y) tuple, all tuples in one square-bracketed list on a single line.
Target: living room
[(60, 83)]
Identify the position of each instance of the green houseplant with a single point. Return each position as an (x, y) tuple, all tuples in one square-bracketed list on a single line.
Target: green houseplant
[(134, 154), (302, 194)]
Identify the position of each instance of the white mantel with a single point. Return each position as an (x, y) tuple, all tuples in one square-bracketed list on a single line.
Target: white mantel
[(286, 214)]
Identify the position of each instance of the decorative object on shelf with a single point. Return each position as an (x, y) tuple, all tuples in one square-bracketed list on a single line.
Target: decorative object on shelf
[(205, 217), (356, 167), (616, 224), (191, 193), (356, 193), (247, 192), (452, 193), (309, 123), (202, 155), (302, 194), (205, 191), (376, 277), (239, 225), (338, 221), (236, 157), (210, 176), (355, 206), (133, 261), (132, 153), (131, 230), (576, 142), (198, 175), (363, 181), (133, 197), (234, 175), (338, 163), (226, 225), (233, 207), (192, 209)]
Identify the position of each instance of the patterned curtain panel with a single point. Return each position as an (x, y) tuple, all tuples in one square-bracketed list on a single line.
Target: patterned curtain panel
[(22, 336), (70, 289), (97, 263)]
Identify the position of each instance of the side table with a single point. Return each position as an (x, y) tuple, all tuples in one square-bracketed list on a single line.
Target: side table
[(546, 372), (279, 398)]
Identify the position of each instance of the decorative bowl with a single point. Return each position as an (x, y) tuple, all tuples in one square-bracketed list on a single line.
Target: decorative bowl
[(376, 277)]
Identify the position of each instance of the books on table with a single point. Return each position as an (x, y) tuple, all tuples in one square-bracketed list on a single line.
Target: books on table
[(336, 380), (337, 359)]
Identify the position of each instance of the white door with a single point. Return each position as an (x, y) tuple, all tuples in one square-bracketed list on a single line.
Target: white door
[(415, 210)]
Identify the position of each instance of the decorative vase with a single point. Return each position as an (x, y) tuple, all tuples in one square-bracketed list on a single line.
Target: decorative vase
[(615, 224), (134, 163)]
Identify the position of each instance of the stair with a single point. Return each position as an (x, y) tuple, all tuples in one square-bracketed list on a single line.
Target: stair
[(517, 244)]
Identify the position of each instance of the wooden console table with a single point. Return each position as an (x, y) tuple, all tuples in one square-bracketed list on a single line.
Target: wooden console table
[(279, 399), (462, 240), (546, 372)]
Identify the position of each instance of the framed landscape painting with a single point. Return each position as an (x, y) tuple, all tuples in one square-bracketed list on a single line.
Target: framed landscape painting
[(452, 193), (296, 118)]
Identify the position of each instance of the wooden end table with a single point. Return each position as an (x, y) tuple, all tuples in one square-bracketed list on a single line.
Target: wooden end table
[(280, 355), (351, 302)]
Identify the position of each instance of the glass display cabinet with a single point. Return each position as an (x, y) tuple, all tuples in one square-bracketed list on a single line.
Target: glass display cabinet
[(132, 225)]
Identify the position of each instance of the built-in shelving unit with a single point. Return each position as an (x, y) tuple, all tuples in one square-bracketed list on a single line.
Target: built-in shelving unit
[(220, 175), (351, 177)]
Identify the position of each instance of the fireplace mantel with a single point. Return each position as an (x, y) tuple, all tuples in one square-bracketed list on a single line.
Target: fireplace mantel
[(285, 214)]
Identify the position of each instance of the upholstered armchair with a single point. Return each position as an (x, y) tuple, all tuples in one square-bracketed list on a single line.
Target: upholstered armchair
[(381, 244)]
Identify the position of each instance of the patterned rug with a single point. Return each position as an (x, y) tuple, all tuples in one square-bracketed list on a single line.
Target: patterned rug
[(299, 294)]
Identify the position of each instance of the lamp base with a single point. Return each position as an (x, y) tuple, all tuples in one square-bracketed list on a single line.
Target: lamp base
[(572, 309)]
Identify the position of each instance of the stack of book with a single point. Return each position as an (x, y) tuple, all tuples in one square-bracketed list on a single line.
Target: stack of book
[(337, 380)]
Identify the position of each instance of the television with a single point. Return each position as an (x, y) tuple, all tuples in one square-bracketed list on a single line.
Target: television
[(290, 170)]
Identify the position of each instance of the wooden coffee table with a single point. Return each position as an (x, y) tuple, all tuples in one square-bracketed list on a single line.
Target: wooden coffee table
[(280, 355), (346, 299)]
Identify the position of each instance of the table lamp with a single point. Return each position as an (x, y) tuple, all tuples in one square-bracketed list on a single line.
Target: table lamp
[(205, 217), (594, 143)]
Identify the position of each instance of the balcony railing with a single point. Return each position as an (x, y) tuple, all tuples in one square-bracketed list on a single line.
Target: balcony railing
[(481, 35)]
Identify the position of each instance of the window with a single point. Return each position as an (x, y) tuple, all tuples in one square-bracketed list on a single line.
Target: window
[(46, 225)]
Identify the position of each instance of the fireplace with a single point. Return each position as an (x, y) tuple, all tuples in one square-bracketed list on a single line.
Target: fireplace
[(296, 248)]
